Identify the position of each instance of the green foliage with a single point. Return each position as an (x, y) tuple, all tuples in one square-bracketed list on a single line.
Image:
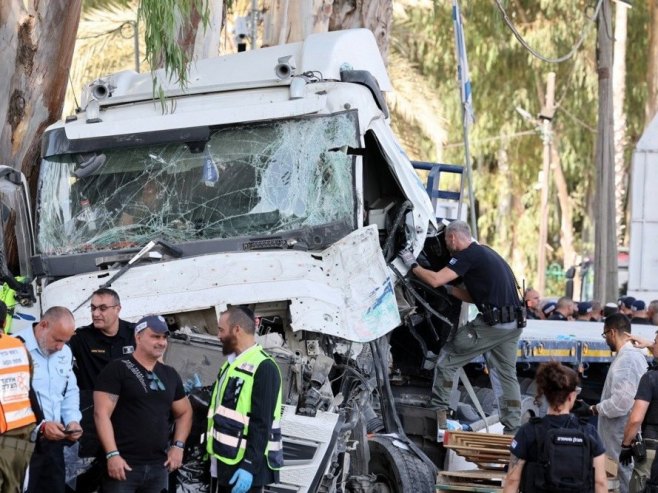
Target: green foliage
[(504, 76), (163, 20)]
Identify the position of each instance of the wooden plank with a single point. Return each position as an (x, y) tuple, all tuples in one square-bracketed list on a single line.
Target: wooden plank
[(475, 474), (469, 487)]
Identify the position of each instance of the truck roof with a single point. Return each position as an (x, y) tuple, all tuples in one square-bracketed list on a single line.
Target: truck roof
[(323, 54)]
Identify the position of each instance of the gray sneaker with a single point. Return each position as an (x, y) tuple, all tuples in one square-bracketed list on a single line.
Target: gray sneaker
[(442, 419)]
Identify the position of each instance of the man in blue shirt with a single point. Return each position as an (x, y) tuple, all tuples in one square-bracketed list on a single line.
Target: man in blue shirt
[(57, 391)]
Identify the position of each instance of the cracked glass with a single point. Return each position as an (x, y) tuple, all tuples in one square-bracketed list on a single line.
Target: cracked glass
[(257, 179)]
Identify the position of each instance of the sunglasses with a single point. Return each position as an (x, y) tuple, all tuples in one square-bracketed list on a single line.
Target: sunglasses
[(154, 381)]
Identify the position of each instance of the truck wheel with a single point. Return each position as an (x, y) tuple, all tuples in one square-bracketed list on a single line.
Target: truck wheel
[(398, 470)]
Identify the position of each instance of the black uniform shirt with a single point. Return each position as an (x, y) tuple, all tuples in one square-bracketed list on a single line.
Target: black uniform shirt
[(93, 350), (557, 316), (647, 390), (487, 276)]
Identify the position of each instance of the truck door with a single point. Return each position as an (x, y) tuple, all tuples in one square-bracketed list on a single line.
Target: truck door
[(16, 248)]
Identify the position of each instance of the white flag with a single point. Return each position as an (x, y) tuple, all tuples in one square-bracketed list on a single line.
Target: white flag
[(462, 66)]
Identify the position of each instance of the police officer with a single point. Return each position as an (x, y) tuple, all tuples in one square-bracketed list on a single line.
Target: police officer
[(17, 420), (94, 346), (244, 434), (645, 413), (57, 393), (564, 309), (532, 300), (490, 285)]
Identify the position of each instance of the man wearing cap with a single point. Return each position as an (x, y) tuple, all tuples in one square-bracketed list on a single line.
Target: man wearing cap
[(610, 309), (584, 311), (564, 309), (244, 430), (107, 338), (133, 401), (547, 309), (638, 309), (625, 304)]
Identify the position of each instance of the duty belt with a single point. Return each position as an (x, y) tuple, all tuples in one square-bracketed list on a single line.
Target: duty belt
[(16, 443), (493, 315)]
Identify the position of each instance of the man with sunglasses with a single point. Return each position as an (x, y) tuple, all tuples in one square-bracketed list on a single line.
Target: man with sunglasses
[(105, 339), (133, 401)]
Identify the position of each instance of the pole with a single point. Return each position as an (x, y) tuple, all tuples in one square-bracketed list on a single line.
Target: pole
[(469, 177), (547, 138), (605, 245), (254, 24), (135, 25)]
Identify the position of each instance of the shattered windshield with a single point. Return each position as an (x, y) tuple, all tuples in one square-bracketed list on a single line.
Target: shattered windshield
[(257, 179)]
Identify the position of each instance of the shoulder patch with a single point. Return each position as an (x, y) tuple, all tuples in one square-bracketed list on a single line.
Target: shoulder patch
[(453, 261), (247, 367)]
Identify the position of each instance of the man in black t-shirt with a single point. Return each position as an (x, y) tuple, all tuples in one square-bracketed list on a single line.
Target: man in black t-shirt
[(644, 412), (488, 283), (134, 400), (93, 346)]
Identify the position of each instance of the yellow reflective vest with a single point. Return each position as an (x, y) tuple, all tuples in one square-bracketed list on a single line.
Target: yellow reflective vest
[(8, 296), (230, 408), (15, 408)]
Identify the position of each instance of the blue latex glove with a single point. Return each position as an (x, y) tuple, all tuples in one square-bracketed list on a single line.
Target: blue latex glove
[(242, 480)]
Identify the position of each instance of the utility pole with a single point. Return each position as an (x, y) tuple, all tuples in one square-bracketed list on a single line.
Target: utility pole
[(546, 117), (605, 237)]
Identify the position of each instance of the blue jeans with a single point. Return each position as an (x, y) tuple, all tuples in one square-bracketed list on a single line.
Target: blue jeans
[(152, 478)]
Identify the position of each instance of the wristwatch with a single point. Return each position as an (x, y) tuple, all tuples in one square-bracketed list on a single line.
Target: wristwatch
[(179, 444)]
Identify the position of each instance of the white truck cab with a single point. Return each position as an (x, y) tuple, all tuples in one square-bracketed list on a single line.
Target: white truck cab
[(272, 180)]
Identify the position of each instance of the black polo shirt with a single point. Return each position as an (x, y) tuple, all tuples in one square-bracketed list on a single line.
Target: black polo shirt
[(93, 350), (488, 278)]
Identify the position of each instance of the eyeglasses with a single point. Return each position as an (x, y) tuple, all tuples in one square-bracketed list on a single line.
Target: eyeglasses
[(605, 333), (102, 308), (154, 381)]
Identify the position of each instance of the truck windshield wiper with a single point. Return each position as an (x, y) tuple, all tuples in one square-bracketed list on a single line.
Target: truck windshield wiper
[(168, 248)]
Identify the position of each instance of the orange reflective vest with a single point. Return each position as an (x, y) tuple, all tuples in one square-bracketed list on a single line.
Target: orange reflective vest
[(15, 409)]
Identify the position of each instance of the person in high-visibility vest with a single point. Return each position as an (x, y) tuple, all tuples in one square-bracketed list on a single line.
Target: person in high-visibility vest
[(244, 417), (17, 419), (8, 297)]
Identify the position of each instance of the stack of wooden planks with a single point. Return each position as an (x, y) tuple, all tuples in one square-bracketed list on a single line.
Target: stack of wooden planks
[(489, 451)]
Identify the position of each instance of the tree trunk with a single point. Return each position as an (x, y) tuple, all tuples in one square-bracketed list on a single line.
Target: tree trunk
[(566, 215), (652, 65), (200, 43), (376, 15), (605, 254), (619, 118), (37, 47), (290, 21)]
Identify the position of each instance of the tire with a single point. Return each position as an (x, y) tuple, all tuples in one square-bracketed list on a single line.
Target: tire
[(398, 470)]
